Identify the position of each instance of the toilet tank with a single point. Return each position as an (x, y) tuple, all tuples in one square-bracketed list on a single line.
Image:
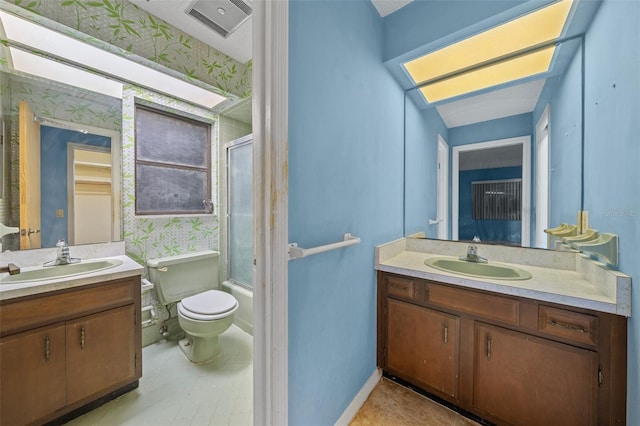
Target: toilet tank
[(177, 277)]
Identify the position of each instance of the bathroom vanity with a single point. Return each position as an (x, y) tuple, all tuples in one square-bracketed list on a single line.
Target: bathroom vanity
[(68, 344), (506, 351)]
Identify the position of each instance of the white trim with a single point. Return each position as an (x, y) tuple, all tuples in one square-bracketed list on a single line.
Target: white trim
[(542, 133), (270, 177), (525, 141), (442, 192), (360, 398)]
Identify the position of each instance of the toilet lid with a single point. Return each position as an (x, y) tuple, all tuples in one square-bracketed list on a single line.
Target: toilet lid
[(210, 302)]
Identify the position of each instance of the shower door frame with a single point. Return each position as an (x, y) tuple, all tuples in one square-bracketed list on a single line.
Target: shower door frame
[(245, 140)]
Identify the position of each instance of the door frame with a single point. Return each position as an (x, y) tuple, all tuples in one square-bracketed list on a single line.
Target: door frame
[(270, 177), (542, 128), (525, 141), (226, 240), (116, 163), (442, 192), (72, 147)]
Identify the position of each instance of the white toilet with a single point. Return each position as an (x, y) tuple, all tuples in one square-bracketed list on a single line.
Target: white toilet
[(203, 312)]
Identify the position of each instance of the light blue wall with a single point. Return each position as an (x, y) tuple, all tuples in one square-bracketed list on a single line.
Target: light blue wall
[(423, 22), (502, 128), (564, 97), (612, 152), (346, 111), (53, 166), (422, 128), (345, 175)]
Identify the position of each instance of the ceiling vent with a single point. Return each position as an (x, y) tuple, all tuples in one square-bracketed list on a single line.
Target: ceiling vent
[(222, 16)]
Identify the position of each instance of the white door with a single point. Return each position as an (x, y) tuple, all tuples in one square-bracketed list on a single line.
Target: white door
[(442, 182), (30, 219), (542, 179)]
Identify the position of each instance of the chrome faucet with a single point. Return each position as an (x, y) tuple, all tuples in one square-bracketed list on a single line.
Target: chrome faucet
[(62, 255), (472, 253)]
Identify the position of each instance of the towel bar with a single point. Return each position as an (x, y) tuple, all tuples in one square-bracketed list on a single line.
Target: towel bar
[(296, 252)]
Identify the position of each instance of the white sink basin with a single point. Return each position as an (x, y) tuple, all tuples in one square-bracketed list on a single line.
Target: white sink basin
[(61, 271), (492, 270)]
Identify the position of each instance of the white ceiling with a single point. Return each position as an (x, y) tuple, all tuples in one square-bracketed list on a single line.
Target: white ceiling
[(501, 103), (387, 7), (492, 158), (498, 104), (237, 44)]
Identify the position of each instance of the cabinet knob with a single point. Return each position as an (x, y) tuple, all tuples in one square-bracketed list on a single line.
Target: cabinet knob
[(82, 332), (488, 347), (446, 333)]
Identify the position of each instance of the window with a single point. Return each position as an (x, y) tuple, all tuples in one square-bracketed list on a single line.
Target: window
[(497, 199), (173, 163)]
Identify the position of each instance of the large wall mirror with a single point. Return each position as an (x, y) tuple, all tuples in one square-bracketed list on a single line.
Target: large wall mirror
[(505, 162), (65, 128), (62, 179)]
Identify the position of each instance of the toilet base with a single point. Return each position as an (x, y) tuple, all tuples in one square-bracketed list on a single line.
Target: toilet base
[(199, 350)]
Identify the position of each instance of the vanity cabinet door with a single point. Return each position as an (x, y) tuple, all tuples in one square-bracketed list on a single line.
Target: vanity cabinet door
[(32, 372), (101, 352), (423, 346), (521, 379)]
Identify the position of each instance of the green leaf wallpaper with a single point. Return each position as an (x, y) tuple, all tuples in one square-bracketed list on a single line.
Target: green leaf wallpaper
[(122, 24), (157, 236), (125, 25)]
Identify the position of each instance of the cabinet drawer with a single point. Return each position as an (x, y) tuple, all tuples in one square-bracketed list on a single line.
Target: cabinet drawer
[(28, 313), (474, 302), (579, 327), (401, 287)]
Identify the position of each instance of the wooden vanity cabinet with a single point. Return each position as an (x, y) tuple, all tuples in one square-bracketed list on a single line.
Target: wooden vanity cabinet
[(509, 360), (63, 351), (32, 375), (518, 376), (423, 343)]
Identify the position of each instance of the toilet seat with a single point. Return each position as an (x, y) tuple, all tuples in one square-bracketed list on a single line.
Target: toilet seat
[(208, 306)]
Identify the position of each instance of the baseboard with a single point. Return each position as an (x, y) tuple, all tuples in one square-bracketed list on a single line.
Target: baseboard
[(360, 398), (243, 325)]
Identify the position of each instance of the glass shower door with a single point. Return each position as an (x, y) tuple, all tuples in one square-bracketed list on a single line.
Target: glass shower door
[(240, 211)]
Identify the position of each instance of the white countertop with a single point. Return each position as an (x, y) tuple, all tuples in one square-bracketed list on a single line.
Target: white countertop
[(126, 269), (587, 285)]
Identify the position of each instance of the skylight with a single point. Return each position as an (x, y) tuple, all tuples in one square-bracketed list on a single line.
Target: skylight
[(528, 31), (45, 68), (36, 37)]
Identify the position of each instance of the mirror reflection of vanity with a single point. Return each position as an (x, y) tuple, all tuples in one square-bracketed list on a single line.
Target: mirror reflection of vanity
[(502, 163), (63, 175)]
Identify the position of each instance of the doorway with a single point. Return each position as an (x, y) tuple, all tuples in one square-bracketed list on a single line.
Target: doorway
[(487, 154), (89, 194), (442, 183)]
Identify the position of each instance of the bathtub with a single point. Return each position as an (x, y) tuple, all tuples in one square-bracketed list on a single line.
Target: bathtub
[(244, 315)]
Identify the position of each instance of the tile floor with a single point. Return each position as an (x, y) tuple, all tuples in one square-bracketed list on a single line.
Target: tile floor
[(394, 405), (175, 392)]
